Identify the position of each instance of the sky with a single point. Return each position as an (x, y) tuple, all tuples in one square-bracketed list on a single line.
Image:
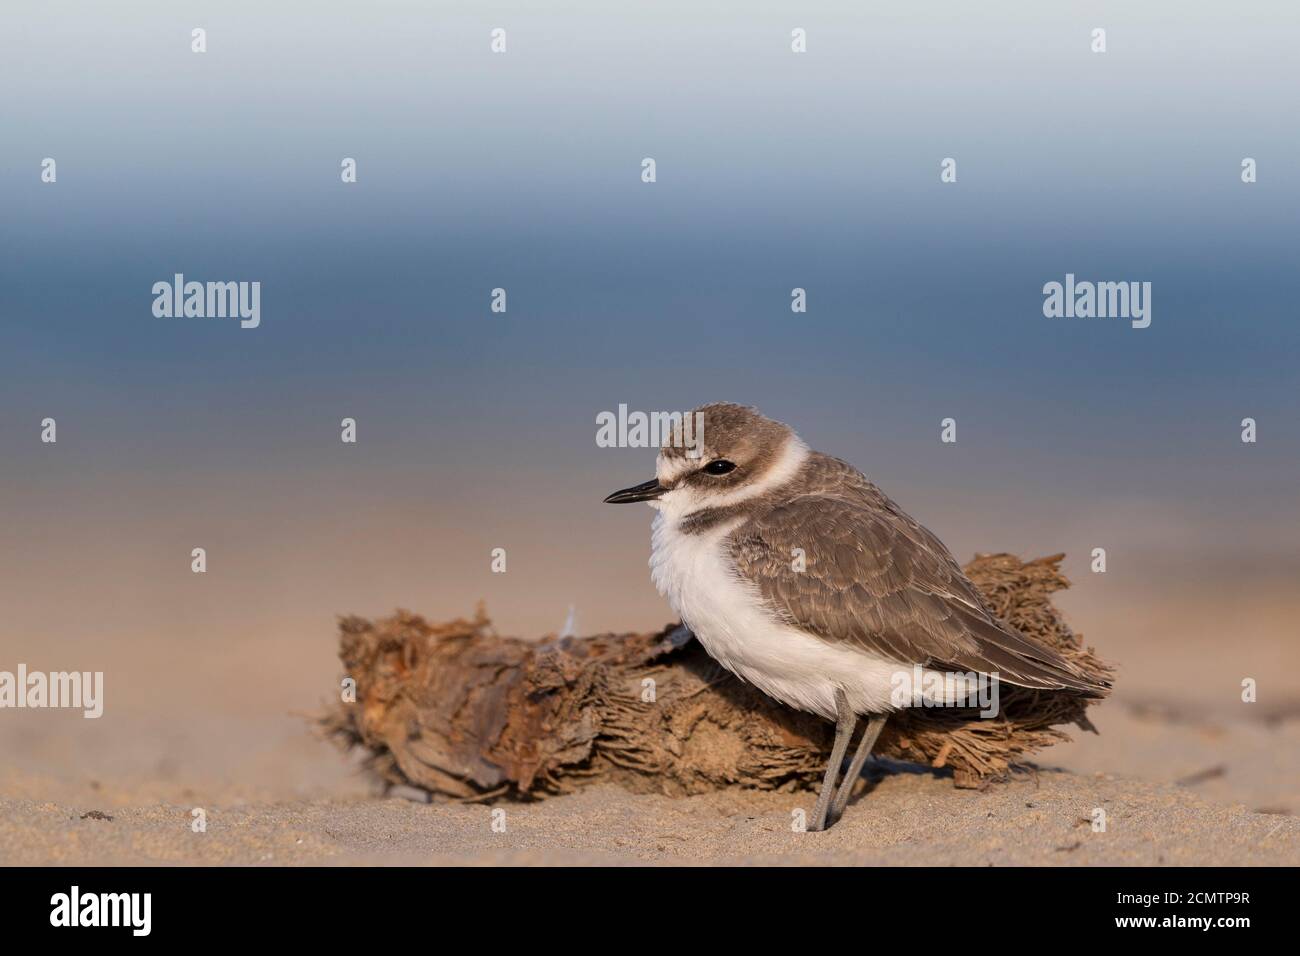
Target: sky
[(523, 170)]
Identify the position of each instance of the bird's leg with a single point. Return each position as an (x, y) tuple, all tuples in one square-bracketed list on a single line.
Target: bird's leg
[(875, 724), (843, 732)]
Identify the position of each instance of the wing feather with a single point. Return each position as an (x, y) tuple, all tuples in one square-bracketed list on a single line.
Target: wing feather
[(875, 578)]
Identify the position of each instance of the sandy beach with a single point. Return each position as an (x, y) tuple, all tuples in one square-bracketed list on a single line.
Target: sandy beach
[(1184, 778), (1175, 791), (910, 820)]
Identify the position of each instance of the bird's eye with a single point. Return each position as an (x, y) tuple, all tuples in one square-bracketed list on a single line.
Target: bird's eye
[(719, 466)]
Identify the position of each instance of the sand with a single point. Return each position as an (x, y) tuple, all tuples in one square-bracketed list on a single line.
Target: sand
[(908, 819), (1186, 771), (1234, 806)]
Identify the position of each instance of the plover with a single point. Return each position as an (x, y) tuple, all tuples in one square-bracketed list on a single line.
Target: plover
[(800, 576)]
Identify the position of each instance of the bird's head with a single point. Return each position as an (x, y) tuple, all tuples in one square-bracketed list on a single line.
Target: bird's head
[(718, 455)]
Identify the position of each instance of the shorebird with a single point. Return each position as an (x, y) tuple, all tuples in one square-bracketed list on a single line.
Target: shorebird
[(801, 577)]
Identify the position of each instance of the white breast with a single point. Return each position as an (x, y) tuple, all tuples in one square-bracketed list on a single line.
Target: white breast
[(695, 573)]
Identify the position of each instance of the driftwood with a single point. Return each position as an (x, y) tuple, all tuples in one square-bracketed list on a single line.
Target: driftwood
[(460, 712)]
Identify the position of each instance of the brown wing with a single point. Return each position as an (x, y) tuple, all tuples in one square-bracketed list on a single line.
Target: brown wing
[(876, 578)]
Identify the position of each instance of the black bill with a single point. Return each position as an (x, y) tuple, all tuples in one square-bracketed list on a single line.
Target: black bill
[(646, 491)]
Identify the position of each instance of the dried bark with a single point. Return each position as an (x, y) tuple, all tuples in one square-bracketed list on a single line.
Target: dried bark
[(461, 712)]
